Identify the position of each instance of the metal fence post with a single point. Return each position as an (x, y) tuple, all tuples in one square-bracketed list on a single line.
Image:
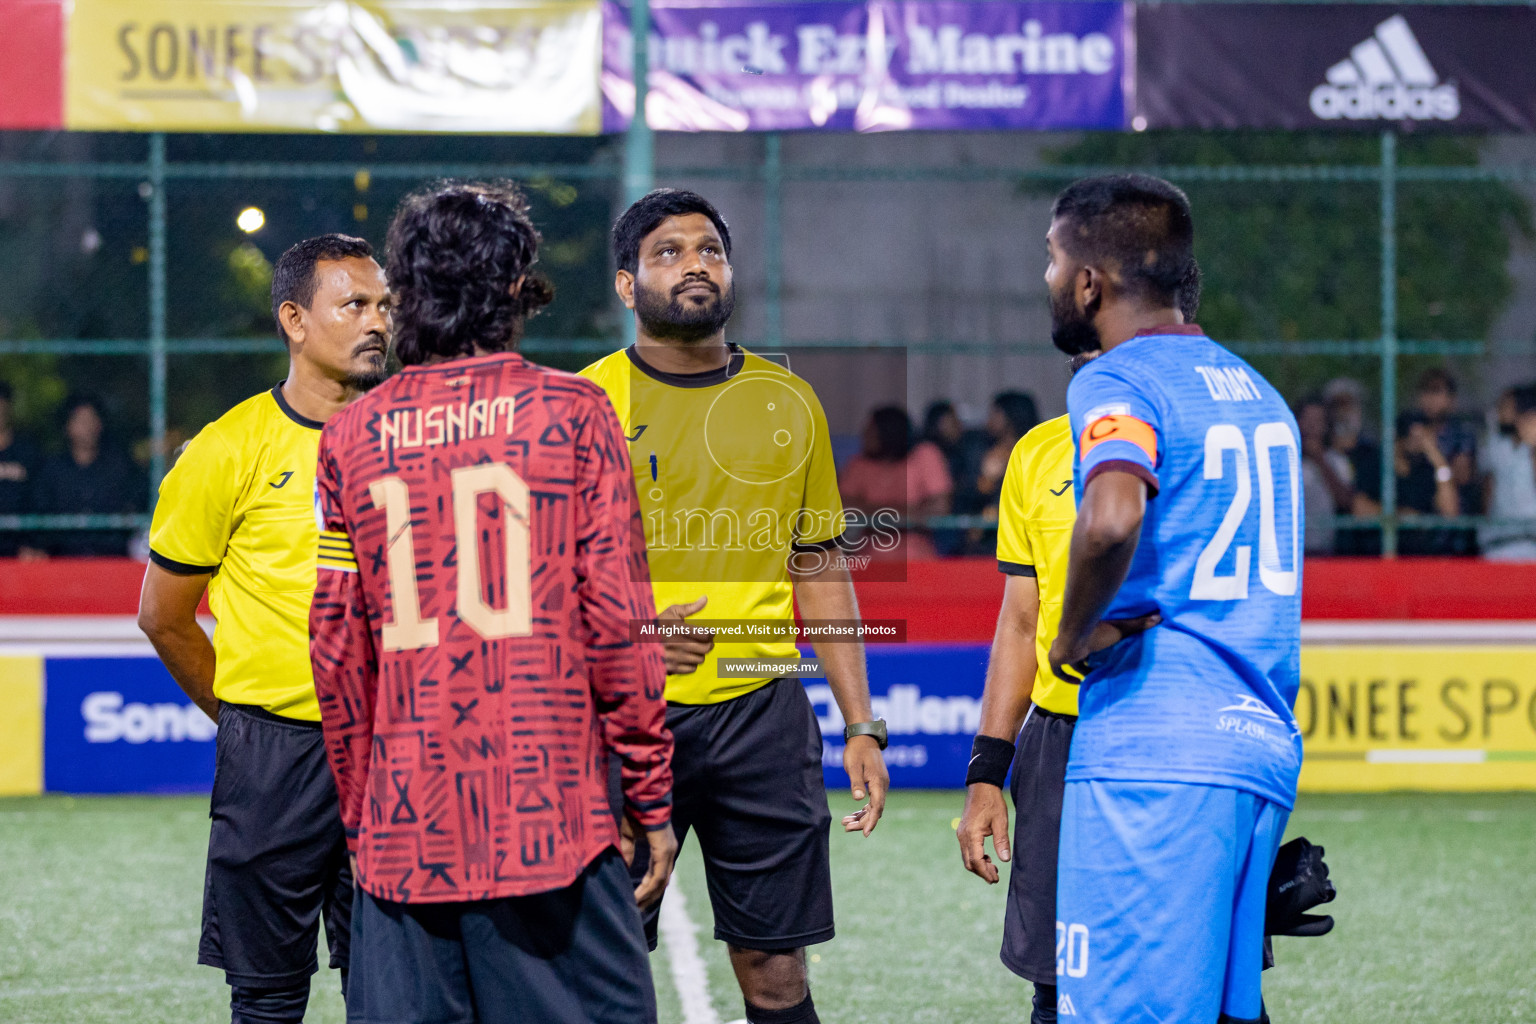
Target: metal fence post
[(773, 242), (1388, 342), (157, 352), (639, 145)]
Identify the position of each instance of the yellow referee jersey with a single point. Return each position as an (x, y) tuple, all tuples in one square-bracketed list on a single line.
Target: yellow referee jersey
[(1034, 535), (733, 468), (240, 503)]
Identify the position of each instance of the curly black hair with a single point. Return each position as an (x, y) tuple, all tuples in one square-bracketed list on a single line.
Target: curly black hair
[(457, 250)]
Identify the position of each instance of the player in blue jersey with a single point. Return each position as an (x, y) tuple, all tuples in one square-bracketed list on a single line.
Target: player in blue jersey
[(1185, 756)]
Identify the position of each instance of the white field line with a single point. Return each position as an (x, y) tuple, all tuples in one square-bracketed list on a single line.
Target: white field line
[(689, 977)]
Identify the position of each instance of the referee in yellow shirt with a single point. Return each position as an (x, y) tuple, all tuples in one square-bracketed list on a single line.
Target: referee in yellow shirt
[(738, 493), (236, 518)]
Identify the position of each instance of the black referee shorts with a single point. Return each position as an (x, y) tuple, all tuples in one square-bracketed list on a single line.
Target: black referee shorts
[(277, 854), (1039, 783), (570, 956), (747, 781)]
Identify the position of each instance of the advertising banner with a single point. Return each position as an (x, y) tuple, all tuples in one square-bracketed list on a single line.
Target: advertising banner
[(1335, 66), (122, 725), (1412, 717), (21, 725), (930, 698), (884, 65), (31, 64), (1372, 717), (341, 66)]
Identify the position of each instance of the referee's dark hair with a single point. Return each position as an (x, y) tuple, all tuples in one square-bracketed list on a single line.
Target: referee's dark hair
[(293, 278), (460, 261), (646, 216), (1134, 226)]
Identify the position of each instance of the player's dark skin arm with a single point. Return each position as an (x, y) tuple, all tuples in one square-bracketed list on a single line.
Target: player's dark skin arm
[(1103, 543), (1004, 703), (825, 591), (168, 616)]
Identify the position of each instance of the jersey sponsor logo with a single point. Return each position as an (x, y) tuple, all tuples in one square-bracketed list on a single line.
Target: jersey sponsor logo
[(1247, 703), (1064, 1006), (282, 481), (1387, 77), (1229, 383), (1119, 428), (109, 720), (632, 438), (1111, 409), (1066, 486)]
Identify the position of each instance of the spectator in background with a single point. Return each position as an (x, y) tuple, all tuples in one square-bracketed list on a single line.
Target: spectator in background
[(1435, 461), (92, 476), (1325, 485), (1509, 459), (19, 458), (963, 451), (1361, 463), (894, 474), (1013, 415)]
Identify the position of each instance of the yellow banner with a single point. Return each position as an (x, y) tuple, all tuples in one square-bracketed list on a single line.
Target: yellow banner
[(21, 725), (1402, 717), (338, 66)]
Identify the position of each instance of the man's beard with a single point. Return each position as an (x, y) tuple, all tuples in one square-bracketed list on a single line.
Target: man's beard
[(666, 317), (1071, 331), (367, 380)]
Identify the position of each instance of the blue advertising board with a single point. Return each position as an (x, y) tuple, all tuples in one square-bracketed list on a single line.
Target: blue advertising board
[(930, 698), (122, 725)]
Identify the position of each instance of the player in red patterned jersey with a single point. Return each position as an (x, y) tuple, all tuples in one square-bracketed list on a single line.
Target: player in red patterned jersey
[(481, 559)]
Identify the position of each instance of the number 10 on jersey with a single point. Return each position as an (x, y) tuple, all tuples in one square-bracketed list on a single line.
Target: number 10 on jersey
[(408, 630), (1268, 438)]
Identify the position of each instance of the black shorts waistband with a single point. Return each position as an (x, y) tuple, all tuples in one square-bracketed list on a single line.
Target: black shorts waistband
[(256, 711), (1036, 709)]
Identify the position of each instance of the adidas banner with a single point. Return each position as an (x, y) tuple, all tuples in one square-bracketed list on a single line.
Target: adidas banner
[(1457, 67)]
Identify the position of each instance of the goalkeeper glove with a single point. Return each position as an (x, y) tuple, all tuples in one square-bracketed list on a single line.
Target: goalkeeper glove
[(1298, 883)]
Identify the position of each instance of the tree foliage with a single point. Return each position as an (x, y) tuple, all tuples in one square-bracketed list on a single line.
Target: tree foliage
[(1291, 261)]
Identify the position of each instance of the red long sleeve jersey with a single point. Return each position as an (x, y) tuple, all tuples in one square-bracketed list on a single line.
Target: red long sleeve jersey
[(481, 557)]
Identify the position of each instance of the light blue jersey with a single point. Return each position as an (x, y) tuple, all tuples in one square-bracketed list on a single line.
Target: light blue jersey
[(1206, 696)]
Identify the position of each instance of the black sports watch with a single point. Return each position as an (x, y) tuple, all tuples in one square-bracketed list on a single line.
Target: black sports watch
[(875, 729)]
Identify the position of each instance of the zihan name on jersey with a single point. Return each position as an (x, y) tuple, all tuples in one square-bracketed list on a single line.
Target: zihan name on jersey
[(443, 424), (1228, 383)]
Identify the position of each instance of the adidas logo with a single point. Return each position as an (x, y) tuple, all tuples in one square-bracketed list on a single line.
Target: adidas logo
[(1064, 1007), (1387, 77)]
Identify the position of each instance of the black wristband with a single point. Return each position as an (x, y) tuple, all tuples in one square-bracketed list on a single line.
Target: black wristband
[(990, 760)]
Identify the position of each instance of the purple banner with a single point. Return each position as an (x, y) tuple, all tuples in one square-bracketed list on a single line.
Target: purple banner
[(884, 65)]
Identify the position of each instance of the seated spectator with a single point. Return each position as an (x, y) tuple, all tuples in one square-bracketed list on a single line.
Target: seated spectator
[(1434, 459), (1509, 459), (18, 476), (1358, 461), (1012, 416), (893, 474), (1325, 486), (92, 476)]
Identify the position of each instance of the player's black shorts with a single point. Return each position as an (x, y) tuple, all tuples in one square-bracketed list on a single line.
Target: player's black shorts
[(571, 956), (277, 854), (747, 781), (1039, 783)]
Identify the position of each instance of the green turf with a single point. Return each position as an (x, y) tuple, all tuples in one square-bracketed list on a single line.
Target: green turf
[(99, 913)]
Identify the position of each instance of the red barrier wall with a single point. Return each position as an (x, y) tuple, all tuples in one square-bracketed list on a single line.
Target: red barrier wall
[(954, 600)]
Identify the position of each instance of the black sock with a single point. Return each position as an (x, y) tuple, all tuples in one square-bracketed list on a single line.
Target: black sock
[(804, 1013), (1044, 1011), (343, 984), (268, 1005)]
